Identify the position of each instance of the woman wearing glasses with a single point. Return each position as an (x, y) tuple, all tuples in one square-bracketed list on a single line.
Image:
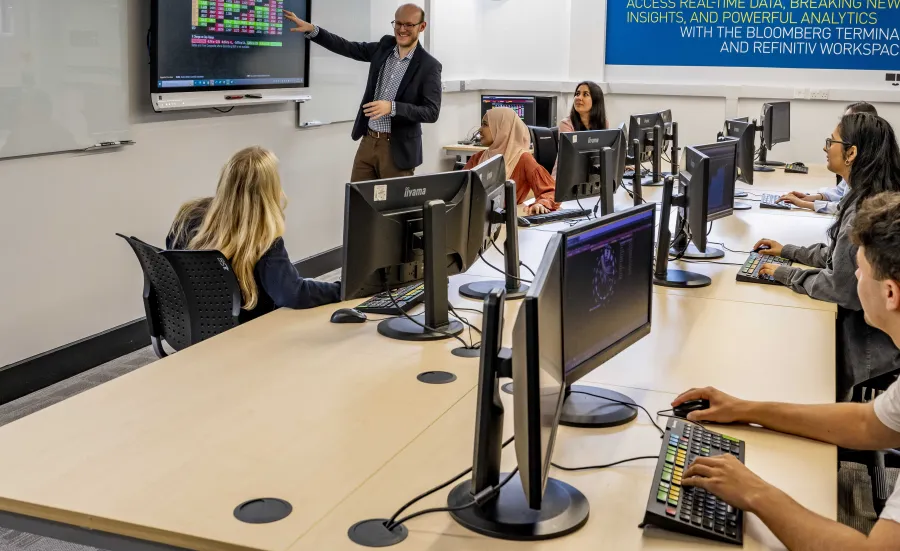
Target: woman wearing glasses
[(404, 91), (863, 150)]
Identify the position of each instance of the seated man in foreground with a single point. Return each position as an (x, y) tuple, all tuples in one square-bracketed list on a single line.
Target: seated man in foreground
[(871, 426)]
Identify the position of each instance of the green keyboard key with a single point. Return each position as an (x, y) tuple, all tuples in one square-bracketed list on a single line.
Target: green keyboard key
[(661, 496)]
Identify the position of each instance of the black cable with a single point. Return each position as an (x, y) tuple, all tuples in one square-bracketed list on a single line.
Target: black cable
[(438, 488), (229, 110), (470, 310), (387, 288), (587, 216), (590, 467), (502, 271), (522, 264), (597, 205), (705, 262), (629, 404), (494, 491), (709, 229), (726, 248)]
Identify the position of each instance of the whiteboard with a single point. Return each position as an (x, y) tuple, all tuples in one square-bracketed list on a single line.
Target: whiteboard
[(337, 83), (63, 75)]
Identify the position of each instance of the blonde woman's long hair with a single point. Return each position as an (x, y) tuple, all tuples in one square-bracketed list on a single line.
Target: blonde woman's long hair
[(243, 219)]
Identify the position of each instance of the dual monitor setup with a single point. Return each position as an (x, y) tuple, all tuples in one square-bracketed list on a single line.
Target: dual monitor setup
[(590, 299)]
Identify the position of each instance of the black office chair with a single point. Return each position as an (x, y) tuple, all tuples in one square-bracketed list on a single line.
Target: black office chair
[(555, 131), (876, 462), (545, 148), (189, 296)]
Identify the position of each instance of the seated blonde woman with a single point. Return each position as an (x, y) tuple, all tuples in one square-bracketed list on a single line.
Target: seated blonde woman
[(504, 133), (245, 222)]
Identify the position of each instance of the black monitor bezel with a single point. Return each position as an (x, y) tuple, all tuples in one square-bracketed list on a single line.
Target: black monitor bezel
[(154, 64), (768, 111), (619, 144), (710, 217), (622, 344)]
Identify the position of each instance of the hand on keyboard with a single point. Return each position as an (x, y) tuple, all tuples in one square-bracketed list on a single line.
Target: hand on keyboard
[(536, 208), (768, 246), (728, 479), (768, 269), (723, 408), (797, 201)]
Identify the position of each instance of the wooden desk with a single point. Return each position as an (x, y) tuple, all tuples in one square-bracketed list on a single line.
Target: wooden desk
[(287, 406), (468, 150), (326, 415), (617, 495)]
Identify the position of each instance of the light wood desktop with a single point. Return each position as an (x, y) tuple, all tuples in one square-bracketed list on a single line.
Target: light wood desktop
[(617, 495), (292, 406)]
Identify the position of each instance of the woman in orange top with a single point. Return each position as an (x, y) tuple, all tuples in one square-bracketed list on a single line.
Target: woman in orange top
[(504, 133)]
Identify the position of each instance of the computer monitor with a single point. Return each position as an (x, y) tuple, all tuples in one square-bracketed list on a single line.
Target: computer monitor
[(530, 506), (607, 305), (591, 164), (745, 133), (202, 51), (643, 130), (706, 193), (776, 128), (402, 230), (490, 194), (524, 106)]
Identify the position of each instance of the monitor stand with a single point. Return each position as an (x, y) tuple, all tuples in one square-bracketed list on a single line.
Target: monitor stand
[(691, 252), (588, 406), (738, 205), (515, 289), (507, 515), (662, 275), (436, 314), (763, 164)]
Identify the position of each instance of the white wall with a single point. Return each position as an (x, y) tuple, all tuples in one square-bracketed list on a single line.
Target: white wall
[(65, 275)]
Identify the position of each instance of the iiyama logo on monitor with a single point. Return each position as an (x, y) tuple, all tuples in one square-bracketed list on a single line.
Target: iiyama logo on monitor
[(593, 140), (417, 192)]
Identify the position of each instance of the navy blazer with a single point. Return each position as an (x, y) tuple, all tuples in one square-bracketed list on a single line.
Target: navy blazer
[(418, 99)]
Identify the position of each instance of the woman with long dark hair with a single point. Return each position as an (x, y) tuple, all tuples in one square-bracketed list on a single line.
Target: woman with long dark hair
[(588, 111), (863, 150)]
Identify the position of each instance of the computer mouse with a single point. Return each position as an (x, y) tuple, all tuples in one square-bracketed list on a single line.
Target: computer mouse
[(689, 406), (799, 164), (348, 315), (761, 248), (523, 222)]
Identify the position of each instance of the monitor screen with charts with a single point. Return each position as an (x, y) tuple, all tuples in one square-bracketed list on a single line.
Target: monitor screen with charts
[(207, 45)]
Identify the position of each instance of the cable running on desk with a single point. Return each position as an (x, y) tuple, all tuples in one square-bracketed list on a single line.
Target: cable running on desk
[(392, 521), (387, 288), (629, 404)]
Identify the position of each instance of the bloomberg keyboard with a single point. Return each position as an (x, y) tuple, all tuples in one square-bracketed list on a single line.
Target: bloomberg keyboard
[(690, 510), (749, 272), (770, 201), (406, 298), (555, 216)]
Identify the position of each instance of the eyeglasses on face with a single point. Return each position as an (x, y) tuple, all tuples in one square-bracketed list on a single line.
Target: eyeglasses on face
[(407, 26), (831, 141)]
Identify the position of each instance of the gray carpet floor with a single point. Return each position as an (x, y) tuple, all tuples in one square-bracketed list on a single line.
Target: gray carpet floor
[(854, 487)]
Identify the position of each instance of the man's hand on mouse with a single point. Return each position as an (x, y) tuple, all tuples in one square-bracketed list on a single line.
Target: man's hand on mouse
[(722, 407), (768, 246), (729, 479)]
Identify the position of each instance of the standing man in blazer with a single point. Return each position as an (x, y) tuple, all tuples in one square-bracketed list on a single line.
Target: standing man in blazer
[(404, 90)]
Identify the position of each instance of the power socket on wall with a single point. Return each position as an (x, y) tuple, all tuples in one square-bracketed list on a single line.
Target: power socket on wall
[(818, 94), (801, 93)]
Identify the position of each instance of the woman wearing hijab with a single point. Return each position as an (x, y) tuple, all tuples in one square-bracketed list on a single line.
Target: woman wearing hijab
[(504, 133)]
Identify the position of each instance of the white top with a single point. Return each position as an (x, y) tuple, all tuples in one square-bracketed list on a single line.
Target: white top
[(887, 409)]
